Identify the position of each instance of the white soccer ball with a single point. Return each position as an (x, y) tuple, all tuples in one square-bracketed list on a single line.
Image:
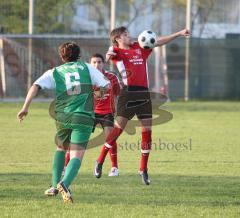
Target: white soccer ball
[(147, 39)]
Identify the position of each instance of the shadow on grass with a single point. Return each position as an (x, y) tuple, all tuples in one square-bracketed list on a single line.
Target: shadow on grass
[(128, 189)]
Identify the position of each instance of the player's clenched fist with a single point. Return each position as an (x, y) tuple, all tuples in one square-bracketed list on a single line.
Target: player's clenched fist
[(21, 114), (184, 32), (110, 53)]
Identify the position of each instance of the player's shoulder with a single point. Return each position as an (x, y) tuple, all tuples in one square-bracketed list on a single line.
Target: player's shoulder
[(81, 64), (58, 68), (115, 49), (50, 72), (91, 68)]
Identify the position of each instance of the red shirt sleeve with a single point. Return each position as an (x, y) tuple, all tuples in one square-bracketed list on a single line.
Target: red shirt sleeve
[(115, 84), (116, 57), (116, 87)]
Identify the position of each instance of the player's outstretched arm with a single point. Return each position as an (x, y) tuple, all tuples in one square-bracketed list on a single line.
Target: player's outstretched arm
[(31, 94), (162, 40)]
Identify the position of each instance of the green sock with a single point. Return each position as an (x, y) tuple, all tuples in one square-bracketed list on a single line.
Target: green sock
[(71, 171), (58, 165)]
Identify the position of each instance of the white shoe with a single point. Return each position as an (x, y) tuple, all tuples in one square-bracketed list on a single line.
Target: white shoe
[(114, 172)]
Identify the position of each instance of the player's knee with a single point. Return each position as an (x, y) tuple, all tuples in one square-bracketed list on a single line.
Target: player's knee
[(77, 152), (121, 122), (61, 148), (146, 125), (147, 129)]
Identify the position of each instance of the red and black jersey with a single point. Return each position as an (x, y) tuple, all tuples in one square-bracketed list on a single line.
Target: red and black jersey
[(106, 105), (132, 64)]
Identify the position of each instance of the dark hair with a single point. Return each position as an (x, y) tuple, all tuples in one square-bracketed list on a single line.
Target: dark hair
[(69, 51), (115, 33), (97, 55)]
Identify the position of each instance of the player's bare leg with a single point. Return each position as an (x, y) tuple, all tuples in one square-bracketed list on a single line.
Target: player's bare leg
[(145, 148)]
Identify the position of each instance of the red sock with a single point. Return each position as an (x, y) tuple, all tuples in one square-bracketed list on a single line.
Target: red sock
[(145, 149), (103, 153), (112, 137), (144, 161), (67, 158), (113, 155)]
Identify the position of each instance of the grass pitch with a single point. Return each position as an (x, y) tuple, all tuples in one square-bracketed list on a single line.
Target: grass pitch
[(194, 167)]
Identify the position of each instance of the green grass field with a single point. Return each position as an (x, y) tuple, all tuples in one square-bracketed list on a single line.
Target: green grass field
[(199, 180)]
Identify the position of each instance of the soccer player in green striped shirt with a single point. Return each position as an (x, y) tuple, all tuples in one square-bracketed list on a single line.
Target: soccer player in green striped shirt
[(73, 83)]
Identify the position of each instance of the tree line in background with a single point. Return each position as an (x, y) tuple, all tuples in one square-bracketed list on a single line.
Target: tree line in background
[(55, 16), (50, 16)]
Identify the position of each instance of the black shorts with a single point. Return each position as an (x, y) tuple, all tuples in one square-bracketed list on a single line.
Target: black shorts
[(104, 120), (134, 100)]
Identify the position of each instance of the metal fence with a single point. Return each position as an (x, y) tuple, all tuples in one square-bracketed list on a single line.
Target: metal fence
[(214, 65)]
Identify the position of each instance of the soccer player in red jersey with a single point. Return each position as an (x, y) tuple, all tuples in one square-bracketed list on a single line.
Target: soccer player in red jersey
[(104, 109), (134, 98)]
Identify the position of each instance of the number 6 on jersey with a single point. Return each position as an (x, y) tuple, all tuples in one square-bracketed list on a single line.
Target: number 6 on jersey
[(73, 87)]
